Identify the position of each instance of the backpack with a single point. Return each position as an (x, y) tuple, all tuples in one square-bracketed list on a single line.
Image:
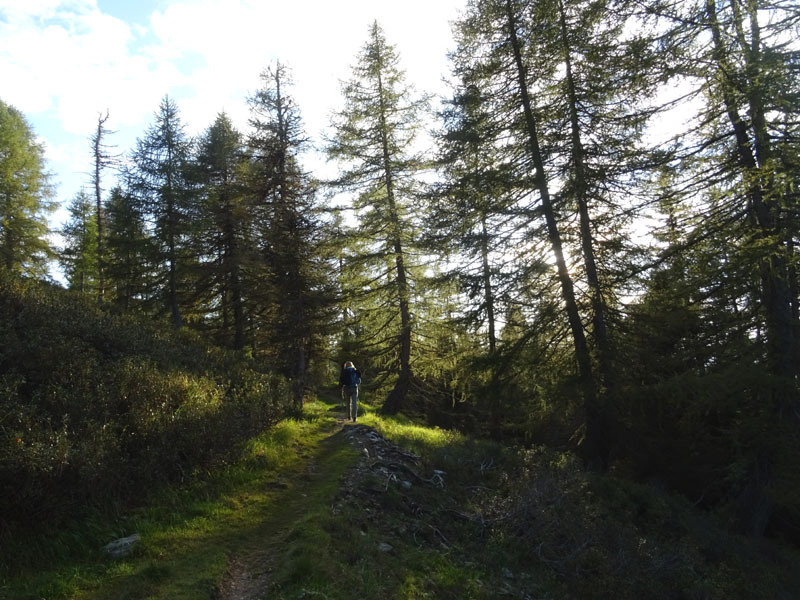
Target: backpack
[(351, 376)]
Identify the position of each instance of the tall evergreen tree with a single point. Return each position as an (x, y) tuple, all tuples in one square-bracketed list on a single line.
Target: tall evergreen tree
[(225, 235), (744, 69), (493, 53), (472, 209), (79, 256), (160, 183), (24, 197), (748, 83), (373, 139), (130, 253), (564, 82), (293, 302)]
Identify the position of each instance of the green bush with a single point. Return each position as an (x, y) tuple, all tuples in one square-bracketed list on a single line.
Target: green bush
[(97, 408)]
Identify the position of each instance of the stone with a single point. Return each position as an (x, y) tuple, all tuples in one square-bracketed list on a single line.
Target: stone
[(122, 547), (384, 547)]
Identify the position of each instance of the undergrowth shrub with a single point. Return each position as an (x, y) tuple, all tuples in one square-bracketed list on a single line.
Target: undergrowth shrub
[(97, 408), (607, 537)]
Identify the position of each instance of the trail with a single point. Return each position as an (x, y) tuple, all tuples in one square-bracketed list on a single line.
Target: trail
[(250, 567)]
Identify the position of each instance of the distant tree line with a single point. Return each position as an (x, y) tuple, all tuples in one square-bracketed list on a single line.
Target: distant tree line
[(599, 253)]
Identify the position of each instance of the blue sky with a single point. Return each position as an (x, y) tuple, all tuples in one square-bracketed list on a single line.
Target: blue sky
[(62, 62)]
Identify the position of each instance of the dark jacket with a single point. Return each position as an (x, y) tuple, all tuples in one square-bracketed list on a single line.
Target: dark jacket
[(349, 376)]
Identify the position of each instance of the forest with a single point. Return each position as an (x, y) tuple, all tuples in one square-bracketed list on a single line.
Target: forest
[(590, 244)]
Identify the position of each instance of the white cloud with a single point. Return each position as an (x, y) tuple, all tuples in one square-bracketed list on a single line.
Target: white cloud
[(64, 61)]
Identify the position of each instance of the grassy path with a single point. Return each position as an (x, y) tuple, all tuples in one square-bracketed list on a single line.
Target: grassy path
[(306, 495), (219, 539)]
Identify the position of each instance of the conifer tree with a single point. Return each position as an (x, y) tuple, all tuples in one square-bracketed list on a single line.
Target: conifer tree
[(159, 180), (713, 340), (224, 233), (493, 53), (79, 256), (292, 304), (483, 220), (24, 197), (565, 81), (130, 253), (737, 177), (471, 211), (373, 140), (745, 68)]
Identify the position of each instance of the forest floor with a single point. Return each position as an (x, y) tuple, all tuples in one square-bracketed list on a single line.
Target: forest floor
[(322, 508)]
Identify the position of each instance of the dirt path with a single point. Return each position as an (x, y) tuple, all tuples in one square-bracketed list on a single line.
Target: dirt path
[(248, 575)]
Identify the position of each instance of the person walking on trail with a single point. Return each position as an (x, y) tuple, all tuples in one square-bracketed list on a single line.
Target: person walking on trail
[(349, 379)]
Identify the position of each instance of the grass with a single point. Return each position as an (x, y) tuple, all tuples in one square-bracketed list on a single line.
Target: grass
[(389, 541), (187, 533)]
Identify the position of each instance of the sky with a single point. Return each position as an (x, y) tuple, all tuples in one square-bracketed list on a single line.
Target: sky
[(63, 62)]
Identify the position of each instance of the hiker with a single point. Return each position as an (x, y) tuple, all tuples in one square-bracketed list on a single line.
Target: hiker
[(349, 379)]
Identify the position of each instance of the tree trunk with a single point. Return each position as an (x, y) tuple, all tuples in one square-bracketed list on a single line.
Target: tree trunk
[(599, 309), (592, 446), (234, 276), (99, 162), (488, 296), (171, 246), (173, 282), (396, 399)]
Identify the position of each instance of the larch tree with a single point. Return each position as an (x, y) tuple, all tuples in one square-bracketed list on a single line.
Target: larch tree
[(567, 84), (159, 180), (598, 106), (79, 255), (292, 301), (493, 37), (744, 70), (474, 226), (373, 141), (745, 66), (24, 197), (471, 208)]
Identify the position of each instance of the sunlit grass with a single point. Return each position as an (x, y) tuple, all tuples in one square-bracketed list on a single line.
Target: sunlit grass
[(406, 432)]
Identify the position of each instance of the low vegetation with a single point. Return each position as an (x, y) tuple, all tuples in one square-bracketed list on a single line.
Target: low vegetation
[(303, 512), (96, 409), (188, 532), (521, 523)]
